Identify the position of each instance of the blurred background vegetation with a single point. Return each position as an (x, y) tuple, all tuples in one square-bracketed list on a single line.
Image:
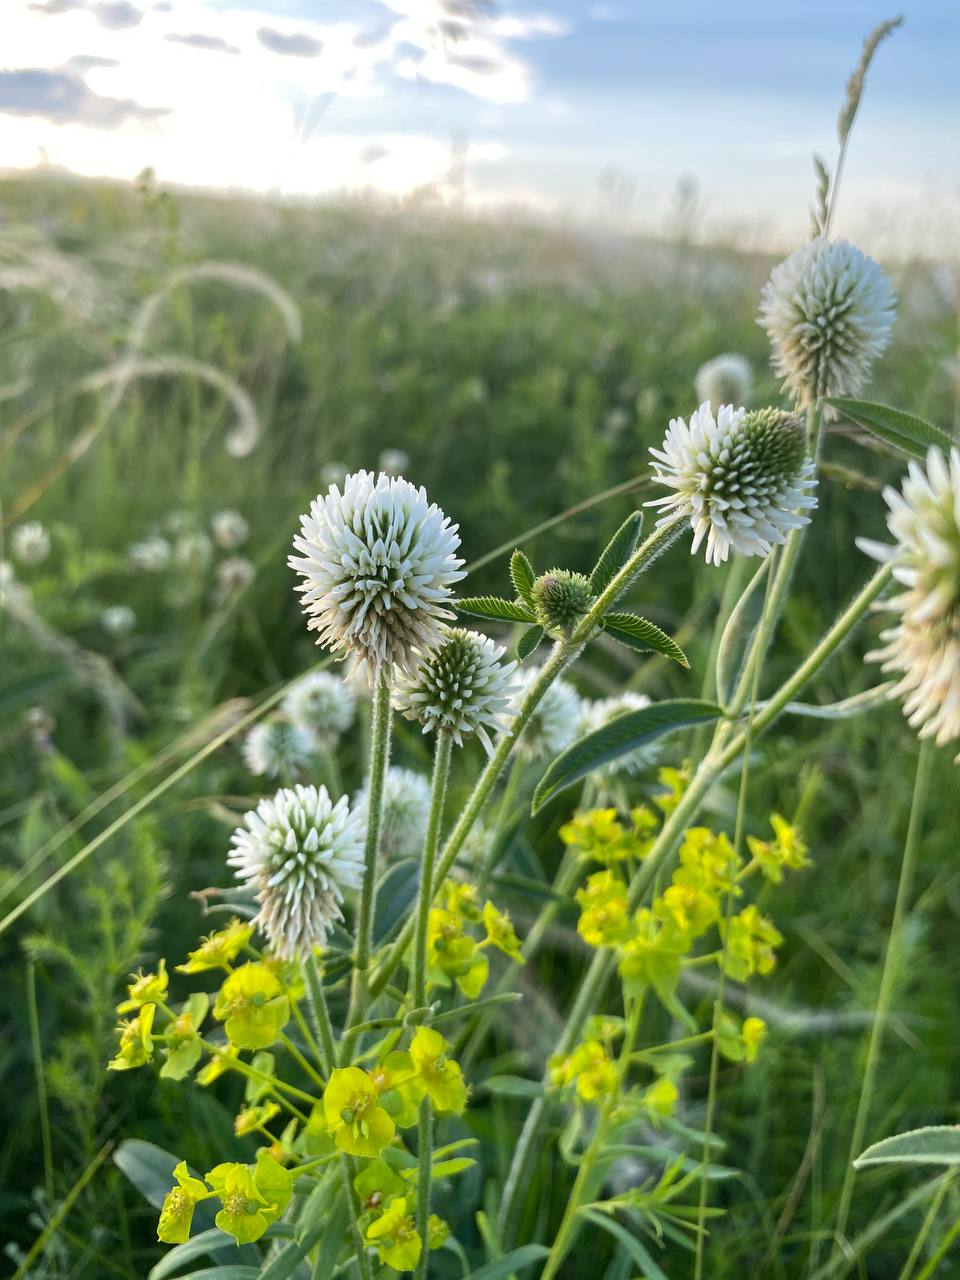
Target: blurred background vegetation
[(523, 372)]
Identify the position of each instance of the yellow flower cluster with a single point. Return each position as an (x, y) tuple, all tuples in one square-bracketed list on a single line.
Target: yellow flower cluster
[(388, 1219), (362, 1108), (456, 955), (251, 1197)]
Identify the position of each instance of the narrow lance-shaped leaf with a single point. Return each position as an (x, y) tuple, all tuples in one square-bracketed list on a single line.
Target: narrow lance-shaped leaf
[(516, 1260), (904, 431), (496, 608), (935, 1144), (618, 737), (528, 642), (522, 576), (616, 553), (637, 633)]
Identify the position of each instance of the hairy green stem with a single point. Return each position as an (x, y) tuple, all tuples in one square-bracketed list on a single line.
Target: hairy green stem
[(379, 759), (888, 980), (347, 1172), (713, 765), (441, 773), (320, 1013), (928, 1221), (641, 559)]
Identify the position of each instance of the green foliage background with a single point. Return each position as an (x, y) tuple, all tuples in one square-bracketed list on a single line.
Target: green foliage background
[(524, 371)]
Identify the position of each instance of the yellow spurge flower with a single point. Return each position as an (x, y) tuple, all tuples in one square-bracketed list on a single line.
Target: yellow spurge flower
[(441, 1076), (176, 1212), (376, 1185), (136, 1042), (253, 1196), (217, 1066), (676, 782), (708, 861), (689, 910), (588, 1067), (462, 899), (651, 956), (250, 1119), (184, 1047), (359, 1125), (787, 850), (500, 932), (452, 954), (399, 1086), (395, 1237), (218, 950), (604, 912), (661, 1097), (753, 1032), (740, 1043), (146, 988), (437, 1232), (252, 1005), (597, 835), (750, 941)]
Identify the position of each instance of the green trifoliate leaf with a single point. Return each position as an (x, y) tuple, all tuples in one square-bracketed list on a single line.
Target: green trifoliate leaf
[(495, 608), (522, 576), (637, 633), (616, 553), (905, 432), (529, 641), (616, 738)]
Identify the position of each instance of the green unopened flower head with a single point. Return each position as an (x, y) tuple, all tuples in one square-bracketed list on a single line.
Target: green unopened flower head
[(743, 479), (561, 598)]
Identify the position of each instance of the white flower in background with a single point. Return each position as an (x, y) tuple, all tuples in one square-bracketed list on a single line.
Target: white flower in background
[(322, 705), (599, 713), (193, 552), (30, 543), (233, 574), (178, 522), (276, 748), (118, 620), (333, 473), (299, 851), (741, 478), (378, 563), (924, 644), (152, 555), (553, 724), (12, 592), (394, 462), (230, 530), (406, 808), (828, 311), (724, 380), (461, 685)]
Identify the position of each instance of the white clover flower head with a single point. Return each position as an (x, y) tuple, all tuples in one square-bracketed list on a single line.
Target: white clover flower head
[(193, 551), (276, 748), (233, 574), (118, 620), (743, 478), (299, 851), (598, 713), (230, 530), (924, 644), (828, 311), (394, 462), (406, 808), (462, 685), (378, 562), (553, 724), (152, 555), (30, 543), (724, 380), (322, 705)]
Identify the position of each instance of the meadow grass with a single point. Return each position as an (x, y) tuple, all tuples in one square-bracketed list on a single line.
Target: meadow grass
[(523, 371)]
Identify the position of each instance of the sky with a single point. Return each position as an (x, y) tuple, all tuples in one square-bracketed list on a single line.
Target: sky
[(587, 110)]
